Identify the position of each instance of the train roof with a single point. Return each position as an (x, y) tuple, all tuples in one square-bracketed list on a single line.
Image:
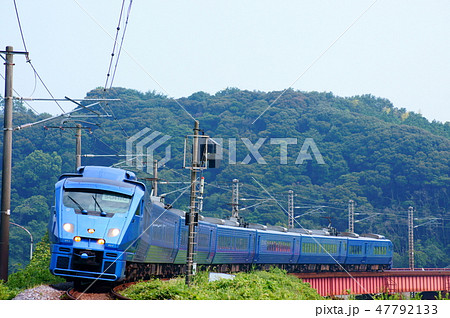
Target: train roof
[(104, 175), (232, 223)]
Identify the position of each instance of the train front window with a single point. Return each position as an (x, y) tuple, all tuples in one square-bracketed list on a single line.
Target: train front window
[(96, 201)]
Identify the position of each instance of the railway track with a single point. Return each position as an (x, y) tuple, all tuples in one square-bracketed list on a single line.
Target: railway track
[(73, 294), (95, 293)]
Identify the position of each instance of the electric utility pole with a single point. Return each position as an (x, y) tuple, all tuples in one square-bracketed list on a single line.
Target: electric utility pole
[(7, 156), (291, 209), (78, 128), (7, 152)]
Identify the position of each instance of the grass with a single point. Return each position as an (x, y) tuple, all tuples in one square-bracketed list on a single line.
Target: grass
[(257, 285), (35, 274)]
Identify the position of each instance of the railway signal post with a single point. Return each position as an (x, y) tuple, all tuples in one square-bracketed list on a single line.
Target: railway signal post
[(193, 213), (199, 161)]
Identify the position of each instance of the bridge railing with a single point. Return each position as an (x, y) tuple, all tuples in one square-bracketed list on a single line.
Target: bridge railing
[(421, 269)]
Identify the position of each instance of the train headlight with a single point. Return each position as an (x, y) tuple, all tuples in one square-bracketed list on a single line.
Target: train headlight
[(101, 241), (113, 232), (68, 227), (91, 231), (77, 239)]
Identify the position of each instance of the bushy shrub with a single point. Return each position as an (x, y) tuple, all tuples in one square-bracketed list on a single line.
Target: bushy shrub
[(264, 285), (35, 274)]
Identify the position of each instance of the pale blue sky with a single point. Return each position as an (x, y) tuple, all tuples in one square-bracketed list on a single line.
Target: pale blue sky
[(399, 49)]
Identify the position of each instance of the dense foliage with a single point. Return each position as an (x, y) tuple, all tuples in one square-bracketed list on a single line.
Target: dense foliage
[(384, 158), (258, 285)]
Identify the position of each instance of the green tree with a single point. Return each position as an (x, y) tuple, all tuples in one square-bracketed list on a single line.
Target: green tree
[(37, 174)]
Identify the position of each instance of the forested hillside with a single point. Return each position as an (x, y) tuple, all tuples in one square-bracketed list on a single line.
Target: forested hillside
[(384, 158)]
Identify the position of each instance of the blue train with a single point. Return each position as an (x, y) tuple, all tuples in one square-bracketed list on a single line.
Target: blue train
[(105, 225)]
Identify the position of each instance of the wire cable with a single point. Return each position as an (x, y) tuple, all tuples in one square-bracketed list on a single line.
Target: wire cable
[(317, 59), (121, 43), (45, 86), (140, 235), (114, 45), (136, 62), (113, 54), (317, 242), (37, 113), (29, 60), (20, 27)]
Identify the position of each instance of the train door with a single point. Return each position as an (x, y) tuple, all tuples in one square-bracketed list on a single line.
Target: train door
[(175, 246), (251, 248), (258, 247), (134, 229), (365, 251), (52, 228), (293, 258), (211, 246)]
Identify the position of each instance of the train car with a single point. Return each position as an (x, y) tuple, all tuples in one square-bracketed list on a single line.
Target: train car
[(95, 223), (369, 253), (106, 226), (234, 245), (277, 247), (321, 252)]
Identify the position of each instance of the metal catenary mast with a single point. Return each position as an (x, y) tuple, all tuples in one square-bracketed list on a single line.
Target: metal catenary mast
[(291, 209), (351, 216), (199, 161)]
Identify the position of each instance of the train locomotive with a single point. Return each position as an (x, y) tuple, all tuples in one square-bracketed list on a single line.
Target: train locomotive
[(107, 226)]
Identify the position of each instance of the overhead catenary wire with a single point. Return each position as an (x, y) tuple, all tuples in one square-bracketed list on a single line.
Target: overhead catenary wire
[(317, 242), (36, 74), (317, 59), (20, 26), (398, 215), (114, 46), (135, 61), (345, 208), (140, 235), (177, 190), (121, 42), (116, 56), (25, 47), (34, 110)]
